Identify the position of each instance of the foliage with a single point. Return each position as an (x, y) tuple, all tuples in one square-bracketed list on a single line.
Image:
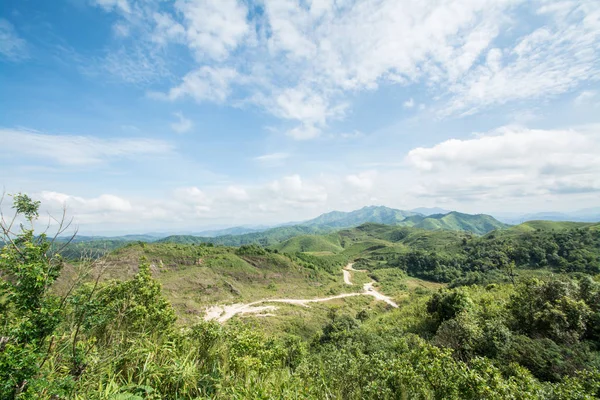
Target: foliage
[(445, 305), (132, 307), (30, 313), (117, 338), (552, 309)]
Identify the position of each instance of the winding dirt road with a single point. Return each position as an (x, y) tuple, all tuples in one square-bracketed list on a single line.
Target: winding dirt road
[(348, 274), (225, 313)]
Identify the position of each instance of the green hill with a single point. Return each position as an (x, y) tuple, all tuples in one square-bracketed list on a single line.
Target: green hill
[(479, 224), (265, 238), (531, 226), (193, 276), (310, 243), (326, 223), (133, 325)]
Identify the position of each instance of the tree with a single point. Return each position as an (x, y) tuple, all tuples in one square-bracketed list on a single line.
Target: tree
[(549, 309), (30, 313), (447, 304)]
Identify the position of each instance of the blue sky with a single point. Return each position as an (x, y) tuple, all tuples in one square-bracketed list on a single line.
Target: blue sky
[(147, 115)]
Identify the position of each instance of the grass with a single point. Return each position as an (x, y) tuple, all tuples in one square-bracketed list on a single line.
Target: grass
[(196, 276), (454, 221), (531, 226), (307, 321), (310, 243)]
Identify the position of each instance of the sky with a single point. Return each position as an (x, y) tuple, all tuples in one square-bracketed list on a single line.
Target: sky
[(143, 115)]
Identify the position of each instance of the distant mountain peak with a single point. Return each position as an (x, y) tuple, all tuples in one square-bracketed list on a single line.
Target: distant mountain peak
[(372, 213)]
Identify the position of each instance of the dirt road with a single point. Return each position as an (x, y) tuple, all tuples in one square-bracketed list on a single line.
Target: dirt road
[(225, 313), (348, 274)]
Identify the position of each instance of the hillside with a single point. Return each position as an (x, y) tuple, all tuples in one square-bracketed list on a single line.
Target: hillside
[(265, 238), (194, 276), (310, 243), (479, 224), (97, 246), (458, 257), (376, 321), (453, 221), (531, 226)]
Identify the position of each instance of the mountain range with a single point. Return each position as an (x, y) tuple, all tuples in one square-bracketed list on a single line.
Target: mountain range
[(453, 221)]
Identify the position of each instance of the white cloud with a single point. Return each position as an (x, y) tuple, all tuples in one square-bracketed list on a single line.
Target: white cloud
[(288, 22), (410, 103), (192, 195), (77, 150), (304, 105), (182, 124), (101, 204), (510, 162), (304, 132), (585, 98), (237, 193), (363, 181), (203, 84), (551, 60), (12, 46), (512, 165), (301, 104), (273, 157), (213, 27), (351, 135), (191, 201), (109, 5), (121, 30), (166, 29), (301, 60), (311, 55), (135, 65), (293, 191)]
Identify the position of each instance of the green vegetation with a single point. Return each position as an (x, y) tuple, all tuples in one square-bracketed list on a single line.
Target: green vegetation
[(312, 234), (375, 214), (265, 238), (106, 329), (463, 259), (454, 221), (310, 243), (326, 223)]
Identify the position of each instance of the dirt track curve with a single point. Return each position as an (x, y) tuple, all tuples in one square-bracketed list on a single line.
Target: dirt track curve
[(224, 313)]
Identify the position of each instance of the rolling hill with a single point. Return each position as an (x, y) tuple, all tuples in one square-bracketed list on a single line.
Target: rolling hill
[(533, 226), (96, 246), (311, 243), (479, 224), (265, 238)]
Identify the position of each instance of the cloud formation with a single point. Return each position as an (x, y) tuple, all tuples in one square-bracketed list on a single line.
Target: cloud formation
[(510, 162), (273, 157), (12, 46), (182, 125), (507, 165), (77, 150), (300, 61)]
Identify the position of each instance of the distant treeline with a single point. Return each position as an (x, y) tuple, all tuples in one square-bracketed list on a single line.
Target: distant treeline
[(479, 258)]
